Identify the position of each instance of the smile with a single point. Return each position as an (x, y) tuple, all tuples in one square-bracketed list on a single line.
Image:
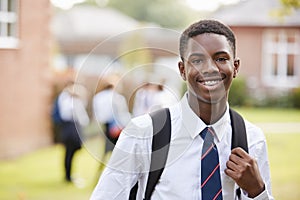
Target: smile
[(210, 82)]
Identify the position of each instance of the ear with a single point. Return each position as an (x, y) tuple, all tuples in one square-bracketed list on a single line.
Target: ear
[(182, 70), (236, 64)]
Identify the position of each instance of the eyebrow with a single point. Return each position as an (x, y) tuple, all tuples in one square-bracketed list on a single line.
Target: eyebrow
[(196, 54), (215, 54), (222, 52)]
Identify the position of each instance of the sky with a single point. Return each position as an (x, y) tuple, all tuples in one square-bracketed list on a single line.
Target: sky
[(199, 5), (65, 4), (209, 5)]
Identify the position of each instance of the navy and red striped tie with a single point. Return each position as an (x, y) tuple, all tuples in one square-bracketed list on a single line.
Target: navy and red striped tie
[(211, 187)]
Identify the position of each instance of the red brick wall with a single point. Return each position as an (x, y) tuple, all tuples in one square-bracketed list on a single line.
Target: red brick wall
[(25, 83), (249, 47)]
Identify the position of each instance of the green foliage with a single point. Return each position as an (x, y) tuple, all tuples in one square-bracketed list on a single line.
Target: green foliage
[(288, 99), (238, 94), (291, 3), (278, 101), (288, 7), (295, 97), (167, 13)]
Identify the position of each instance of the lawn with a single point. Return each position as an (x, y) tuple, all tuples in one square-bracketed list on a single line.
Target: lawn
[(285, 165), (270, 114), (39, 175)]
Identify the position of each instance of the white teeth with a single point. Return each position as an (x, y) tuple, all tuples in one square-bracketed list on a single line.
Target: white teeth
[(210, 83)]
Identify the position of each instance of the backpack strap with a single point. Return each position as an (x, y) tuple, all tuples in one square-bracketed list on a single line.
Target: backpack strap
[(160, 147), (239, 136), (161, 122)]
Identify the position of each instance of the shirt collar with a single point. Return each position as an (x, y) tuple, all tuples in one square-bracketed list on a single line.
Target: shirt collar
[(195, 125)]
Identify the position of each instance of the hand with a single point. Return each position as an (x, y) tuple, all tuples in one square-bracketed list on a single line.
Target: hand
[(243, 169)]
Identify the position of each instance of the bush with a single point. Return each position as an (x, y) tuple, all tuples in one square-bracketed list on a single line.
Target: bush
[(296, 97), (238, 94)]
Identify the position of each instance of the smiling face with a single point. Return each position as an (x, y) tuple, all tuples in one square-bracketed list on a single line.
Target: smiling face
[(208, 67)]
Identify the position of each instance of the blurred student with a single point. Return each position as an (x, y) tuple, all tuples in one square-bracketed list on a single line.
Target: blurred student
[(111, 110), (151, 97), (72, 102)]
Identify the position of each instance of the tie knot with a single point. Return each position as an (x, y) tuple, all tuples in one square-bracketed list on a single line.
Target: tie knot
[(208, 134)]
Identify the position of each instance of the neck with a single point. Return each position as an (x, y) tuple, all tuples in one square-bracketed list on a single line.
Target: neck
[(207, 111)]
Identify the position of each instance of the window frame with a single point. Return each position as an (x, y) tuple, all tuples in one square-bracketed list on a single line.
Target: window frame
[(9, 30), (282, 48)]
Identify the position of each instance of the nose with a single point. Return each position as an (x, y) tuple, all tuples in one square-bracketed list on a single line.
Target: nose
[(210, 67)]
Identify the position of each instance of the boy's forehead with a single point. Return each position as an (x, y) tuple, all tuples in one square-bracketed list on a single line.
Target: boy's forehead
[(208, 42)]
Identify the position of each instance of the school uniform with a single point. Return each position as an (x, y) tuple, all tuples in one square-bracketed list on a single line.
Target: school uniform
[(181, 178)]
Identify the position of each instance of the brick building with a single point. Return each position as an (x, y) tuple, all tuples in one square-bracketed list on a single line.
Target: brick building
[(25, 83)]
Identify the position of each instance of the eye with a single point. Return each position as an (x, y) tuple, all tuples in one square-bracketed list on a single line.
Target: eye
[(196, 61), (221, 59)]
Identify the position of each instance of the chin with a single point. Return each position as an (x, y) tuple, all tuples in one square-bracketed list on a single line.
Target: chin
[(208, 99)]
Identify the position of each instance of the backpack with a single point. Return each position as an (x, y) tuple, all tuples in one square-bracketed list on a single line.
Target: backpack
[(161, 141), (55, 114)]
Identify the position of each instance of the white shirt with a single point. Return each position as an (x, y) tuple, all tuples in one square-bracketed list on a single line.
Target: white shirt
[(180, 179), (109, 105), (148, 100), (72, 108)]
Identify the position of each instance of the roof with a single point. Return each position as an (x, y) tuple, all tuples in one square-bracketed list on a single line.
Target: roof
[(83, 22), (82, 28), (255, 13)]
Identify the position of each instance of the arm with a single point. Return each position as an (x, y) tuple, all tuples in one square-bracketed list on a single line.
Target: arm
[(127, 164)]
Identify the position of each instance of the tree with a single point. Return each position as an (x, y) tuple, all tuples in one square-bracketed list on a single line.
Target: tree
[(167, 13), (291, 3), (288, 7)]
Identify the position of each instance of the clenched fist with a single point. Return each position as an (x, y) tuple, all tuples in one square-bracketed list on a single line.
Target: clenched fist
[(243, 169)]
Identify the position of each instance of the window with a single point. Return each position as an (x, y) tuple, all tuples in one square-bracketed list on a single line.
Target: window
[(281, 58), (8, 24)]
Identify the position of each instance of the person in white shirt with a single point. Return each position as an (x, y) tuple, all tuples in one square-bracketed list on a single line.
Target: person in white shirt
[(151, 97), (72, 102), (208, 65), (110, 108)]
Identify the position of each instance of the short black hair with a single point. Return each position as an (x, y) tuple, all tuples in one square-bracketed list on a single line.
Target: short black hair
[(206, 26)]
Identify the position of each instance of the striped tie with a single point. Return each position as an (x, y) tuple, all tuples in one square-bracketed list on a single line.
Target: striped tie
[(210, 167)]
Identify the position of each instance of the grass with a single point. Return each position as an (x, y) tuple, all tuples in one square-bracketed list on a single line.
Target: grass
[(270, 114), (284, 163), (39, 175)]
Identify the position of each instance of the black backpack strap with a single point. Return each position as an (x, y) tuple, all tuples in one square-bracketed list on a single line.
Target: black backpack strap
[(161, 122), (133, 191), (239, 136)]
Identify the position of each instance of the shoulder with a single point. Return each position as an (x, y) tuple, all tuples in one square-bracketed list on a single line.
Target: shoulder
[(102, 94), (255, 135), (136, 137), (139, 127)]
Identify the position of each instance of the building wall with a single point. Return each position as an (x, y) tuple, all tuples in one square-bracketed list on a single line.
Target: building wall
[(249, 50), (25, 83), (253, 68)]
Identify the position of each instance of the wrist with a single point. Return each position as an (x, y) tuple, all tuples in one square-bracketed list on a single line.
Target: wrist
[(257, 191)]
